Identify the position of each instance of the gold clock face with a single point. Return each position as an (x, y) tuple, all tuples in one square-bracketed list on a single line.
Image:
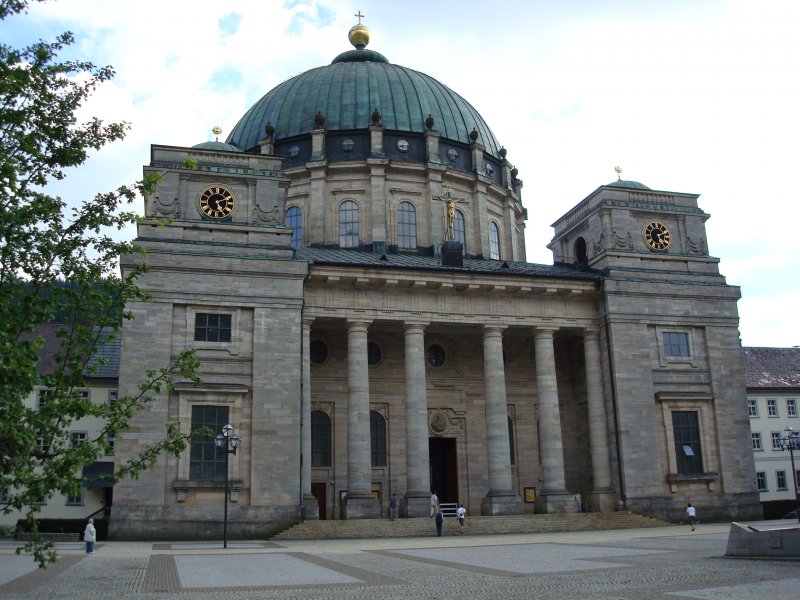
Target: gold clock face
[(657, 236), (217, 203)]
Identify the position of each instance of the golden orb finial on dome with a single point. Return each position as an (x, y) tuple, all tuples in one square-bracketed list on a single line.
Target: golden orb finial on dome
[(217, 131), (359, 33)]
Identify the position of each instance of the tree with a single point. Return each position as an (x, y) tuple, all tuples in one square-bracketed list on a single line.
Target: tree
[(60, 263)]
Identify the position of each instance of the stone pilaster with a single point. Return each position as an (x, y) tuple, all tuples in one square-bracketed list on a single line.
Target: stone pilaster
[(360, 502), (310, 505), (553, 496), (317, 144), (602, 497), (501, 498), (416, 502)]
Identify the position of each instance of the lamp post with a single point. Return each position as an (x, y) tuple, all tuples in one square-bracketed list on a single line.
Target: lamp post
[(791, 442), (227, 443)]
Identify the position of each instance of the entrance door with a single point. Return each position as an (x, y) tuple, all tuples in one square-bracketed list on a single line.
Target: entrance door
[(444, 468), (318, 490)]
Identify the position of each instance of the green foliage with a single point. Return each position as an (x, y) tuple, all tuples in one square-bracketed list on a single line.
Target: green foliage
[(60, 263)]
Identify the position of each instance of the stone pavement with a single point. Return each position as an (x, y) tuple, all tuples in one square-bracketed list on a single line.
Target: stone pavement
[(665, 562)]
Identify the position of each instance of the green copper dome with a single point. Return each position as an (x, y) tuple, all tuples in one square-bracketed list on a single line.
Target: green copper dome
[(348, 90), (217, 146), (622, 183)]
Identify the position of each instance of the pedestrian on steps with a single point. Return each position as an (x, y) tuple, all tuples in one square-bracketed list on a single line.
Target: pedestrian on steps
[(439, 522)]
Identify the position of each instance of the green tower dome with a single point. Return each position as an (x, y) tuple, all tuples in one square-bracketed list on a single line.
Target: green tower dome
[(346, 93)]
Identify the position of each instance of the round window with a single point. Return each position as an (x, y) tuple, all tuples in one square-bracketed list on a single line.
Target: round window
[(435, 355), (402, 145), (373, 353), (452, 154), (489, 169), (348, 144), (318, 351), (294, 151)]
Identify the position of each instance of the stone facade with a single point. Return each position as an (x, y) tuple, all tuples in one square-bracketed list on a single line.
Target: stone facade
[(360, 364)]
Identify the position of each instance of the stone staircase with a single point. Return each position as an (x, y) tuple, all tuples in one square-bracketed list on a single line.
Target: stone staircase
[(423, 527)]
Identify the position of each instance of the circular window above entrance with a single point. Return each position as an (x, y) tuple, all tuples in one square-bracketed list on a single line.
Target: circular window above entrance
[(318, 351), (435, 355)]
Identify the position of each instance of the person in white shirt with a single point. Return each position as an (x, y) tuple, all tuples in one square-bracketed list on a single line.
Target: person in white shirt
[(692, 514), (434, 504), (461, 513), (90, 536)]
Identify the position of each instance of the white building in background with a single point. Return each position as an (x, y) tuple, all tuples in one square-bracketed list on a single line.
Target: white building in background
[(96, 494), (773, 394)]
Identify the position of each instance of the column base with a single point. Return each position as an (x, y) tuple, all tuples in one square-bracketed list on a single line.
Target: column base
[(603, 501), (555, 502), (415, 505), (310, 510), (501, 504), (364, 506)]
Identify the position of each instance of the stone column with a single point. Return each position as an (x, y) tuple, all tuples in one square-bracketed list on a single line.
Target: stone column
[(501, 498), (310, 504), (360, 502), (553, 496), (417, 499), (602, 495)]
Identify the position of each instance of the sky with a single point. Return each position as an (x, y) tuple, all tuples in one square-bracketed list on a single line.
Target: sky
[(695, 96)]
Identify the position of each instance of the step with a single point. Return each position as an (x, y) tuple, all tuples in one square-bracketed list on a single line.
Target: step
[(505, 524)]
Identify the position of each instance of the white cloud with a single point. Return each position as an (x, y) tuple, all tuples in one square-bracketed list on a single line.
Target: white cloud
[(685, 96)]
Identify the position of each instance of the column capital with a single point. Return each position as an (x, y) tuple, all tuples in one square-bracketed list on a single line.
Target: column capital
[(544, 331), (307, 322), (355, 324), (415, 325), (591, 332), (494, 329)]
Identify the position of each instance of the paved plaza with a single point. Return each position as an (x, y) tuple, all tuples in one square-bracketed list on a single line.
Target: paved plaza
[(665, 562)]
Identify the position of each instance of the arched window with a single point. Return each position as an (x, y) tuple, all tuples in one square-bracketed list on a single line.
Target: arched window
[(511, 441), (348, 224), (580, 250), (320, 439), (294, 219), (406, 226), (460, 230), (494, 241), (377, 434)]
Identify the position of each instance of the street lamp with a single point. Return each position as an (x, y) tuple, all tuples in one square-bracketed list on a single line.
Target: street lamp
[(791, 442), (227, 443)]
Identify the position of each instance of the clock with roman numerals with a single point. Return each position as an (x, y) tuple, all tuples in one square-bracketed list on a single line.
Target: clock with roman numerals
[(217, 203)]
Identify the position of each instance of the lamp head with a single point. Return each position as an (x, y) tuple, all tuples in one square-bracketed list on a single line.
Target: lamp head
[(220, 440)]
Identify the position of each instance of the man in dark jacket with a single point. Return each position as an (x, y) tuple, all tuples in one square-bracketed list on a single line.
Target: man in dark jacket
[(439, 521)]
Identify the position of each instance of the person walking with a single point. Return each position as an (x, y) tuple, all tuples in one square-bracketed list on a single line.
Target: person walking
[(393, 507), (90, 536), (439, 522), (691, 512), (434, 503), (461, 513), (578, 502)]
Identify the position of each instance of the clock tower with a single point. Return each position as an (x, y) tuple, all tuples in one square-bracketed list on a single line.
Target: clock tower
[(669, 331)]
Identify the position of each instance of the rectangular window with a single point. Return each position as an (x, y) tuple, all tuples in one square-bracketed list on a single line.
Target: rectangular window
[(756, 441), (676, 343), (776, 440), (112, 396), (780, 479), (212, 327), (686, 430), (76, 500), (761, 481), (752, 408), (77, 438), (791, 407), (41, 398), (5, 494), (772, 408), (111, 442), (205, 463)]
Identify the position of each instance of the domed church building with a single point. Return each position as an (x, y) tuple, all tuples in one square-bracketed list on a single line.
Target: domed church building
[(349, 266)]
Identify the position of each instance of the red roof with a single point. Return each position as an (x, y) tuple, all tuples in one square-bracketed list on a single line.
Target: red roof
[(772, 367)]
